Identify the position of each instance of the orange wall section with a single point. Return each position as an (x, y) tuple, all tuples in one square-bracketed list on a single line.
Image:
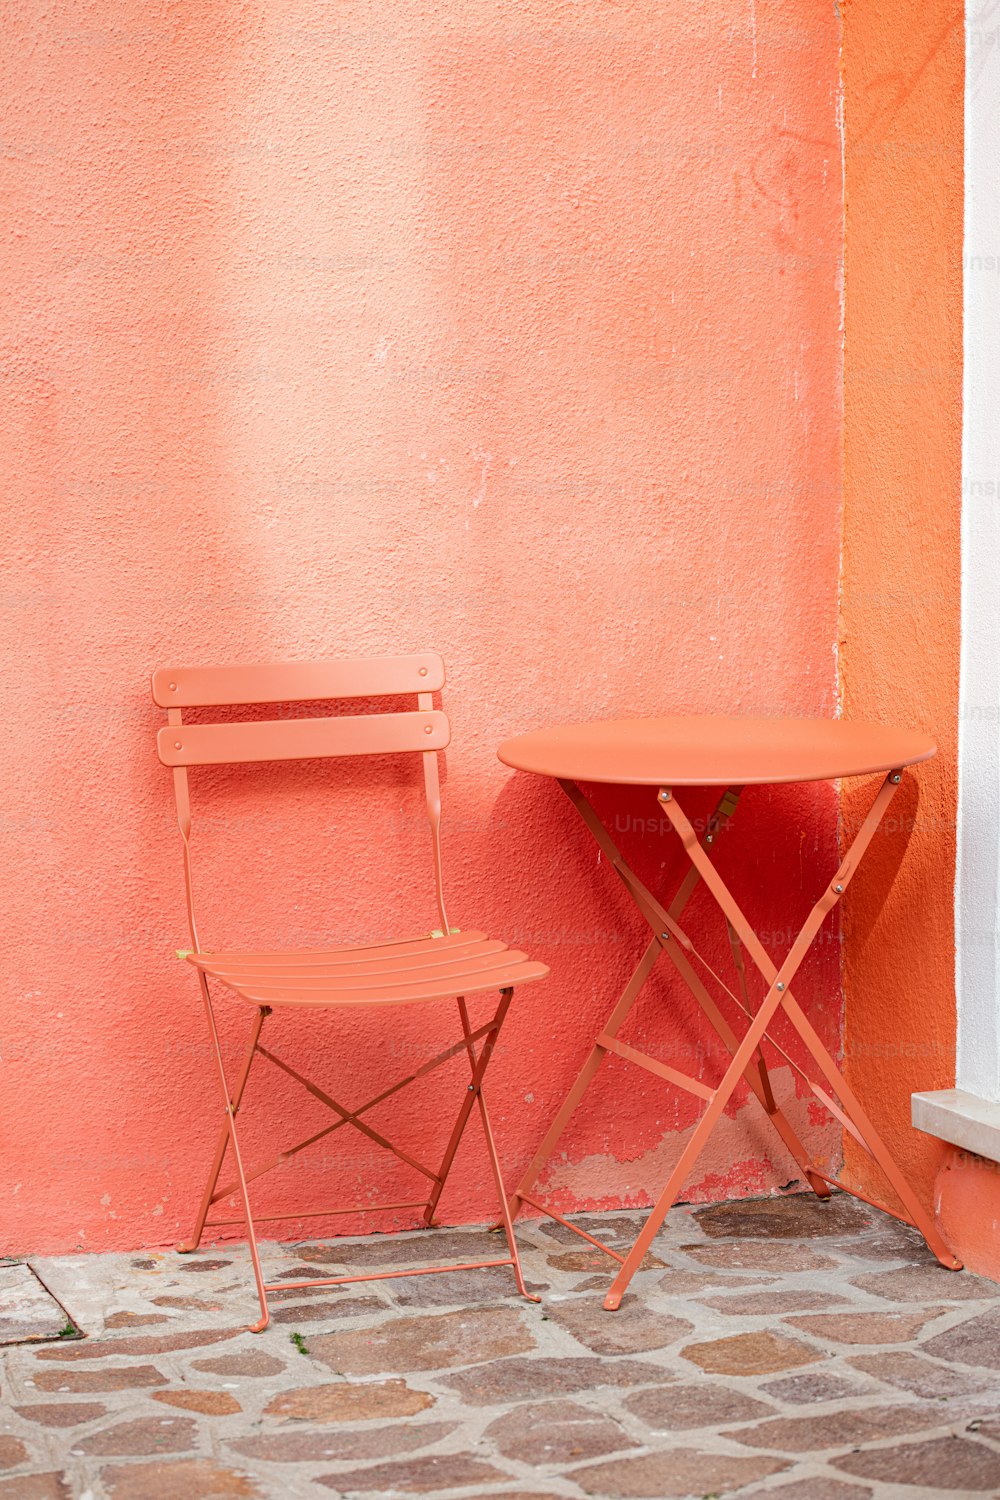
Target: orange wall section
[(507, 332), (967, 1204), (903, 77)]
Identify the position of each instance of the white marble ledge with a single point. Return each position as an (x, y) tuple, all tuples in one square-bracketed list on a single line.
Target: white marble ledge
[(963, 1119)]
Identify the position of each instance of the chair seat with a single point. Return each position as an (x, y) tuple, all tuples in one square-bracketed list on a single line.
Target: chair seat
[(411, 969)]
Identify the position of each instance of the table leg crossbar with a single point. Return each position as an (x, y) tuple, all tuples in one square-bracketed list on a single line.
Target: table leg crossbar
[(228, 1141), (746, 1053)]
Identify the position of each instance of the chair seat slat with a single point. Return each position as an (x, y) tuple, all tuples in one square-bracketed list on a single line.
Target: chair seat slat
[(442, 988), (367, 977), (355, 952), (390, 963)]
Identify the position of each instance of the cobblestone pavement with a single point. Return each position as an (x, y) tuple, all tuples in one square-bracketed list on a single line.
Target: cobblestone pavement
[(778, 1347)]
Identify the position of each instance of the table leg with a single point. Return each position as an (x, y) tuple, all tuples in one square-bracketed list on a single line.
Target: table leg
[(586, 1073), (864, 1130), (747, 1059), (661, 919)]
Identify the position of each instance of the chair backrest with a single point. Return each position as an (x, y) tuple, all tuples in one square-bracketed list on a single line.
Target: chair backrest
[(423, 730)]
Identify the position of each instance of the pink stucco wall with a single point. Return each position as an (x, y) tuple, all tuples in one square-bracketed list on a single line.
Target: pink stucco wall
[(511, 333)]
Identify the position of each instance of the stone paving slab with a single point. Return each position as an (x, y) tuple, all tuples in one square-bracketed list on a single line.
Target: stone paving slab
[(27, 1309), (782, 1348)]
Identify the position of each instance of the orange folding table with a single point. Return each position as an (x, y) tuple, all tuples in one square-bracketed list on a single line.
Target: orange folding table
[(667, 754)]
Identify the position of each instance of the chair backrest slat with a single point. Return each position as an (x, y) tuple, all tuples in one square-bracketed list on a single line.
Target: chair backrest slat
[(301, 739), (298, 682)]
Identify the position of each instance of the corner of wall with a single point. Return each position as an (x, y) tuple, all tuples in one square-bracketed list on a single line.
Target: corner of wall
[(902, 72)]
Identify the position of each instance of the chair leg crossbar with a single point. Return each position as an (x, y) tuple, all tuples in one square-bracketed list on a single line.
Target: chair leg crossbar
[(228, 1141), (747, 1060)]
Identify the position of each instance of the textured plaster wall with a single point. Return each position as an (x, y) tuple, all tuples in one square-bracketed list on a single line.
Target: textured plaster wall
[(507, 331), (903, 71)]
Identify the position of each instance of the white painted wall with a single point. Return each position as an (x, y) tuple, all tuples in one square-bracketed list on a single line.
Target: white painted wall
[(978, 875)]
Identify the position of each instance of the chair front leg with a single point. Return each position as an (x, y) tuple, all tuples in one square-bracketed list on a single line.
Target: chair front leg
[(231, 1105), (187, 1246), (478, 1070)]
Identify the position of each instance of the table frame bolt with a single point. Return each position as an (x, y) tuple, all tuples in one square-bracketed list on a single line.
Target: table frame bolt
[(780, 986), (839, 889), (895, 778)]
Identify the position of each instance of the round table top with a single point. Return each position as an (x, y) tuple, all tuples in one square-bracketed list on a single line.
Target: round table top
[(714, 750)]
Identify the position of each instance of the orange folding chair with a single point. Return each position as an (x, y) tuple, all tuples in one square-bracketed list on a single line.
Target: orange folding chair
[(445, 964)]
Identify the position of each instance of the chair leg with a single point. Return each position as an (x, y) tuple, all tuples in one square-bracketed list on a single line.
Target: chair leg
[(467, 1102), (231, 1106), (229, 1140), (478, 1069), (186, 1246)]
